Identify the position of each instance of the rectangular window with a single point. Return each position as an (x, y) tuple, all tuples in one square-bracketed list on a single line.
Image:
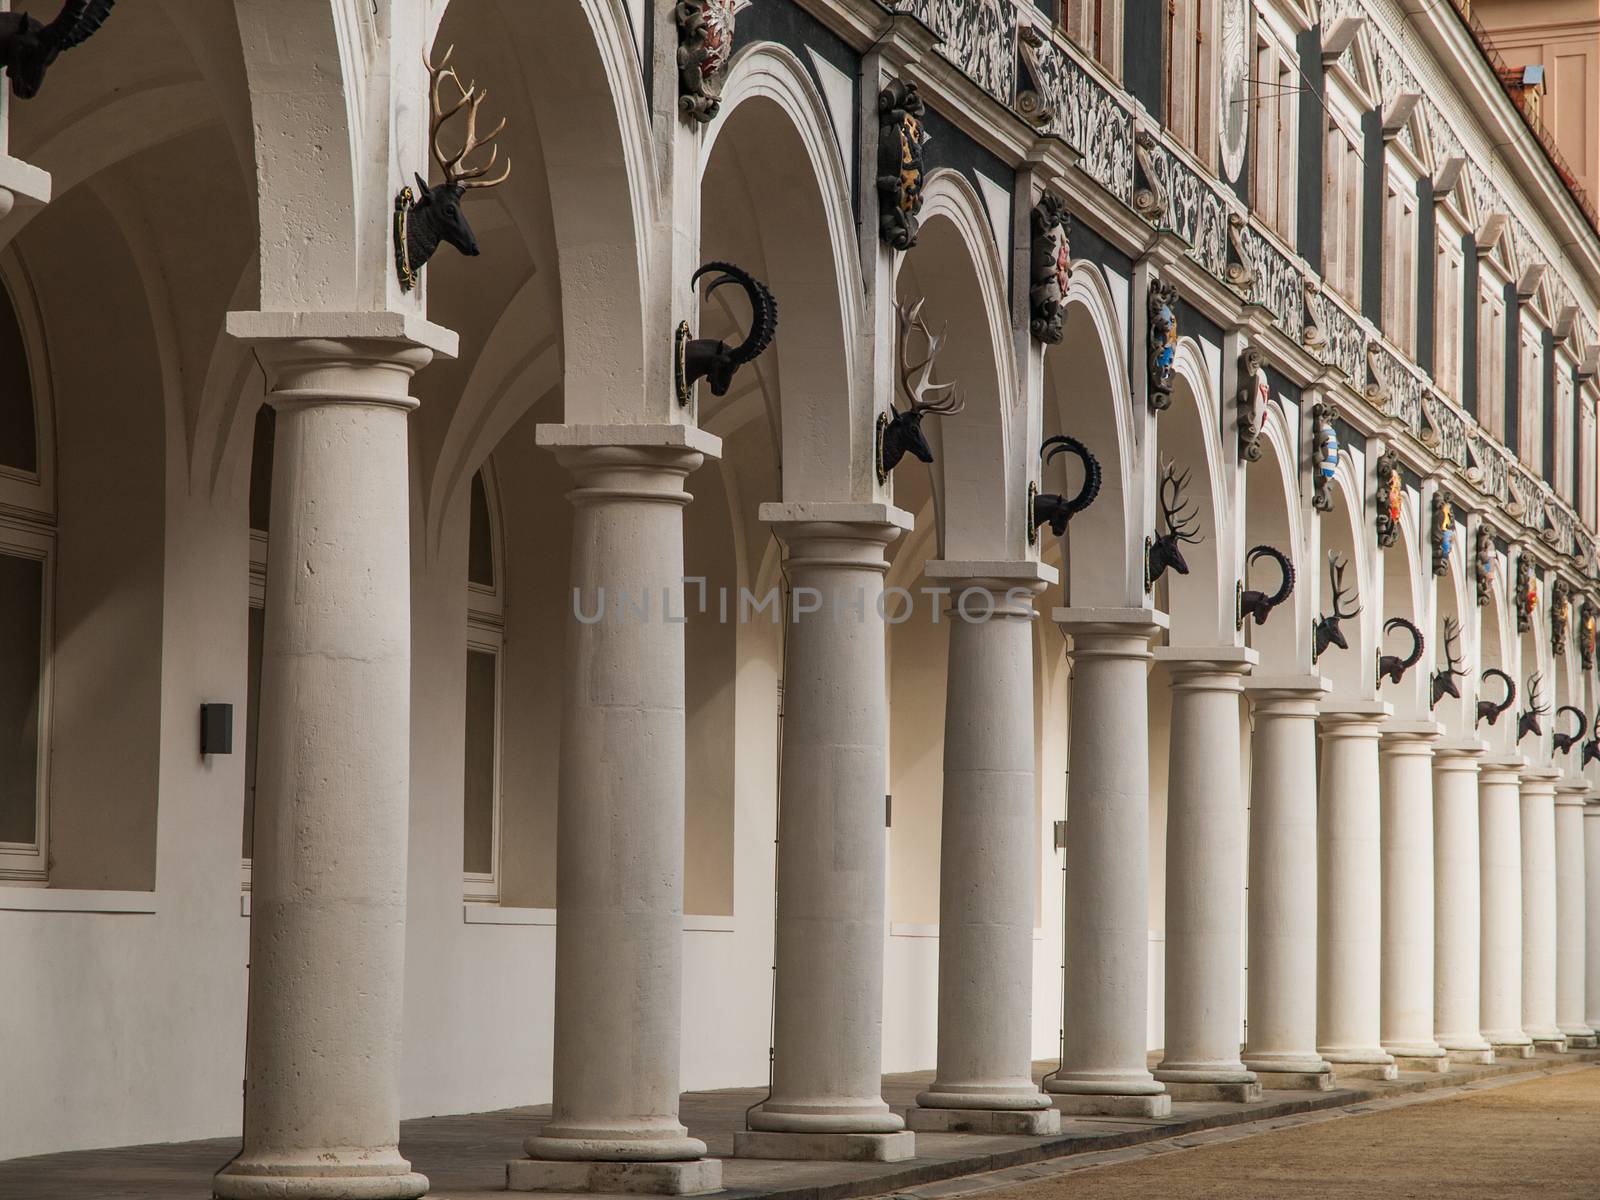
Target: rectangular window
[(1187, 83), (482, 789), (1400, 271), (24, 700), (1447, 319), (1342, 181), (1530, 427), (1491, 359), (1091, 24), (1273, 138)]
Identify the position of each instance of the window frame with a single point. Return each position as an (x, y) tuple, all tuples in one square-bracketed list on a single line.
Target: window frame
[(29, 862), (486, 635), (1281, 153)]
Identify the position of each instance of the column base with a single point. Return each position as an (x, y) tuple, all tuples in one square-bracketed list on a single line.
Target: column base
[(1191, 1072), (1556, 1045), (1011, 1099), (1305, 1064), (1103, 1083), (1098, 1104), (1343, 1070), (386, 1176), (1580, 1037), (1298, 1081), (1481, 1058), (692, 1178), (1230, 1093), (826, 1147), (1513, 1049), (548, 1148), (1432, 1064), (1033, 1123)]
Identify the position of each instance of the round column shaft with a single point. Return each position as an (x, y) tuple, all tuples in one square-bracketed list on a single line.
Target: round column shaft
[(619, 818), (1457, 1024), (1349, 927), (1205, 871), (1406, 991), (1570, 918), (1500, 857), (328, 875), (1539, 906), (828, 1058), (1105, 995), (988, 867), (1283, 883), (1591, 913)]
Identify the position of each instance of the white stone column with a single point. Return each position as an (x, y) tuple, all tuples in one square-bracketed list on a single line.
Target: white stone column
[(1500, 859), (988, 867), (1571, 922), (1457, 1024), (1539, 909), (328, 877), (1105, 993), (1205, 877), (1406, 991), (1349, 925), (1591, 915), (1282, 1043), (619, 825), (826, 1099)]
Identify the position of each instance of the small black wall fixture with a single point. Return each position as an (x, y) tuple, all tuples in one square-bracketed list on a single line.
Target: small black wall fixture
[(216, 729), (1259, 605), (1488, 710), (28, 46), (1182, 521), (1056, 510), (424, 218), (1327, 632), (1564, 742), (712, 359), (1528, 720), (1444, 680), (1392, 666), (900, 429)]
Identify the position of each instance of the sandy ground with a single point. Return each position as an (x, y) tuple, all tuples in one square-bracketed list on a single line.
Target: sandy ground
[(1535, 1139)]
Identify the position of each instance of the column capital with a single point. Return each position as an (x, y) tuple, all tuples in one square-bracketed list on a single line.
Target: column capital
[(1207, 668), (628, 462), (994, 574), (1110, 632), (1541, 779), (1573, 792), (1410, 737), (313, 358), (1502, 768), (1353, 718), (1461, 748)]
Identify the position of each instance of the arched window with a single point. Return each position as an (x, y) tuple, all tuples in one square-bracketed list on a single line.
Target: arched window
[(27, 545), (485, 636)]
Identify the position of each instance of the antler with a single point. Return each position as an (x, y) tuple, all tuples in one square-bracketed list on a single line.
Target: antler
[(1536, 704), (471, 99), (763, 308), (1336, 569), (1181, 517), (1452, 643), (916, 378)]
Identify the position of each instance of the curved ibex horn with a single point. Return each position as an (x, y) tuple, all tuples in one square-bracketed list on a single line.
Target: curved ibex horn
[(1286, 586), (1415, 656), (763, 307), (1566, 741), (1487, 709), (1062, 444)]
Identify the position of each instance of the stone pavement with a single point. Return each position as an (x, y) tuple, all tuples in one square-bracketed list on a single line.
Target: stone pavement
[(465, 1156)]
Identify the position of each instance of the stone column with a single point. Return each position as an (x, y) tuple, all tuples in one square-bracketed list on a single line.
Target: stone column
[(328, 877), (1281, 1047), (1456, 907), (1205, 877), (1500, 857), (1105, 994), (1539, 909), (826, 1098), (1406, 992), (989, 868), (1349, 926), (619, 824), (1571, 925), (1591, 915)]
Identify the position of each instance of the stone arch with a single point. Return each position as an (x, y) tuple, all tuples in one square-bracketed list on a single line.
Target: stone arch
[(1201, 605), (1403, 597), (1452, 603), (1272, 516), (1343, 533), (1496, 648)]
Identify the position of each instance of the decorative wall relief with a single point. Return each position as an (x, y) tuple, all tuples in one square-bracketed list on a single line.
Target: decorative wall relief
[(1376, 389), (1240, 271), (1057, 95), (976, 35), (1324, 456), (1588, 625), (1149, 181), (900, 168), (1313, 332), (1560, 616), (1051, 268), (1443, 534), (1234, 68), (1527, 597), (1162, 335), (705, 47), (1387, 500), (1483, 565), (1254, 395)]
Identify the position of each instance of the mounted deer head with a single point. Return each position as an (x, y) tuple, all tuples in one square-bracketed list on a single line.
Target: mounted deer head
[(1258, 604), (1391, 666), (902, 434), (1528, 720), (28, 46), (1488, 710), (1326, 632), (436, 216), (1055, 510), (1444, 680), (1563, 742), (714, 360), (1182, 521)]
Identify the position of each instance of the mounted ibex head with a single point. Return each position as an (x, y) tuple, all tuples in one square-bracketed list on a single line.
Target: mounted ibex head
[(1591, 748), (902, 433), (1488, 710), (1391, 666), (436, 216), (1528, 720), (1326, 632), (1182, 521), (1258, 604), (1056, 510), (714, 360), (1444, 680), (28, 46), (1564, 742)]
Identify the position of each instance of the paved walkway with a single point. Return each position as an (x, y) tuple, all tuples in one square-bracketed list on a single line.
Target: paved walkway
[(465, 1156)]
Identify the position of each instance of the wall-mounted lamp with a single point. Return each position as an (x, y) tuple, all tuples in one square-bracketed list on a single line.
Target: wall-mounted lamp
[(216, 729)]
